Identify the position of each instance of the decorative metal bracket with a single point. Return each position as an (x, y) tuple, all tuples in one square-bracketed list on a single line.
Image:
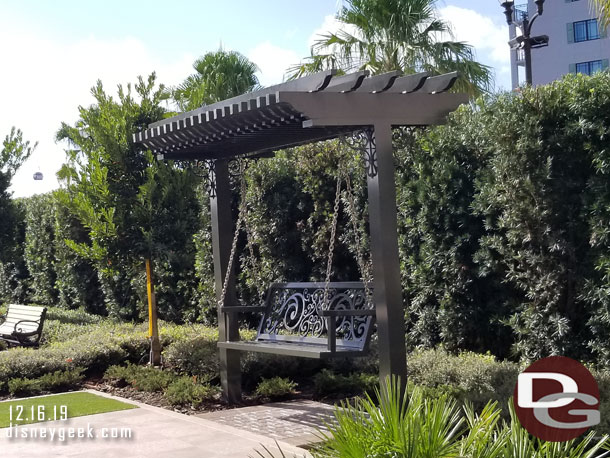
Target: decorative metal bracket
[(363, 142), (205, 169)]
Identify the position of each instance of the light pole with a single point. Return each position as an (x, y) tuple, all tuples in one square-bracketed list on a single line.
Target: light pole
[(525, 41)]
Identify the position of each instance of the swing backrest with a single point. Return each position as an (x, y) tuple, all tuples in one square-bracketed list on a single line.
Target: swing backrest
[(292, 314)]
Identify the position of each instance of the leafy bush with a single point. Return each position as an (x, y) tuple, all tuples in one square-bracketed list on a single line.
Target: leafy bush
[(329, 383), (74, 316), (276, 388), (469, 376), (186, 390), (102, 345), (55, 381), (142, 378), (194, 356)]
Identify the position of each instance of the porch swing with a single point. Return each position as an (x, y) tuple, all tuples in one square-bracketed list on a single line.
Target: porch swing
[(317, 320)]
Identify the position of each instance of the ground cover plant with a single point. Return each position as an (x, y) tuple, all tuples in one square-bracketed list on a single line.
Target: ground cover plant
[(78, 405)]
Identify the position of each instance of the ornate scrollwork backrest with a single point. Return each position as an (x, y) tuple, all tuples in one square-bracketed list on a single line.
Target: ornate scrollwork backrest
[(293, 309)]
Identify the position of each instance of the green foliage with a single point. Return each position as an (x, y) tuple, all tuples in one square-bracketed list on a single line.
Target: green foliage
[(95, 348), (14, 275), (328, 383), (220, 76), (131, 206), (61, 380), (504, 218), (276, 388), (39, 248), (195, 356), (15, 151), (468, 376), (142, 378), (387, 35), (187, 391), (419, 427), (290, 199), (13, 271)]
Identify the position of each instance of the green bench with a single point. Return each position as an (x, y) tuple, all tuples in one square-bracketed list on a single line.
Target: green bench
[(22, 325)]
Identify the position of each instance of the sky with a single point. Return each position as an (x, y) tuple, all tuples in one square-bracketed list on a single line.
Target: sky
[(52, 53)]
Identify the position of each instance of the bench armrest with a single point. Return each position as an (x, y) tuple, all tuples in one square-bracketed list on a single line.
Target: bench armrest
[(351, 312), (243, 308), (25, 334)]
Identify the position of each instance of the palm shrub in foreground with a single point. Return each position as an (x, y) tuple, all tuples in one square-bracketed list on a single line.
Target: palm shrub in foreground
[(419, 427)]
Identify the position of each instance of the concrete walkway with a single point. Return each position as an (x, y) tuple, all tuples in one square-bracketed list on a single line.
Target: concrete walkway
[(155, 432), (297, 422)]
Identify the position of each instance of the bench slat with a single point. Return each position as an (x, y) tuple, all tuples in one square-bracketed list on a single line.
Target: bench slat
[(18, 307)]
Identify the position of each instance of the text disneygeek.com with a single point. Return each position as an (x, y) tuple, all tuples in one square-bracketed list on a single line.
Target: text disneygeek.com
[(63, 433)]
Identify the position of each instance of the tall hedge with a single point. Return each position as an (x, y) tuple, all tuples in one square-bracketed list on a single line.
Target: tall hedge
[(39, 248), (507, 223)]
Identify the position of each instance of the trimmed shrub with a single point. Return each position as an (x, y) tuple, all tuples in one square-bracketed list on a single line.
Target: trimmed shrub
[(469, 376), (55, 381), (187, 391), (328, 383), (276, 388), (142, 378), (194, 356)]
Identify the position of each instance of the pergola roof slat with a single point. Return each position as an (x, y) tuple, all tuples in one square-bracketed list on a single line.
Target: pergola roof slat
[(308, 109), (409, 83)]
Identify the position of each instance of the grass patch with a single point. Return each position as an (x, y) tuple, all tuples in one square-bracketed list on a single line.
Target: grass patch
[(78, 405)]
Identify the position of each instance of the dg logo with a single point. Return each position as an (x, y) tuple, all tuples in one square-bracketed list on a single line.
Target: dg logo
[(557, 399)]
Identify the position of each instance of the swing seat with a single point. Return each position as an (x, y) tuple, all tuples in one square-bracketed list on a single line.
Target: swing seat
[(297, 321)]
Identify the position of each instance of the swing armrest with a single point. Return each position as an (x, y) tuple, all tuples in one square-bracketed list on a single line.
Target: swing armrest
[(352, 312), (243, 308)]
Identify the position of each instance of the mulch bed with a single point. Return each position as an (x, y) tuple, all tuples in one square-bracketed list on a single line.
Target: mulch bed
[(157, 399)]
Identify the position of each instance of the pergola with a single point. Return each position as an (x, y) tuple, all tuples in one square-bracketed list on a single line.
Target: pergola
[(313, 108)]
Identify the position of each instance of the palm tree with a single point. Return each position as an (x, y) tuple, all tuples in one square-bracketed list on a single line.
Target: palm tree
[(386, 35), (603, 11), (220, 75)]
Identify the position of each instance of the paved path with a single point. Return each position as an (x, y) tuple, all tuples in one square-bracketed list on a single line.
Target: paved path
[(155, 432), (296, 422)]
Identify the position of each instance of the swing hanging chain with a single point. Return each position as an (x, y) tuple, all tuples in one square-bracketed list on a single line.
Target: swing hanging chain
[(242, 220), (331, 243), (240, 217), (363, 266)]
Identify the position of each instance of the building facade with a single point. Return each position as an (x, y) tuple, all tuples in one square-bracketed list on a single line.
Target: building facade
[(576, 43)]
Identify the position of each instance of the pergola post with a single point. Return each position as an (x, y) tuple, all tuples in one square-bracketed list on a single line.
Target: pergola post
[(387, 291), (222, 237)]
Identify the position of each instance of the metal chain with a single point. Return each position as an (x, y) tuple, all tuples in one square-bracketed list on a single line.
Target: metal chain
[(240, 217), (365, 267), (257, 272), (331, 244)]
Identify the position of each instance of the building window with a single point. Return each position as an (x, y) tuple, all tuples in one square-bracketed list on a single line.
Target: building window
[(588, 68), (586, 30)]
